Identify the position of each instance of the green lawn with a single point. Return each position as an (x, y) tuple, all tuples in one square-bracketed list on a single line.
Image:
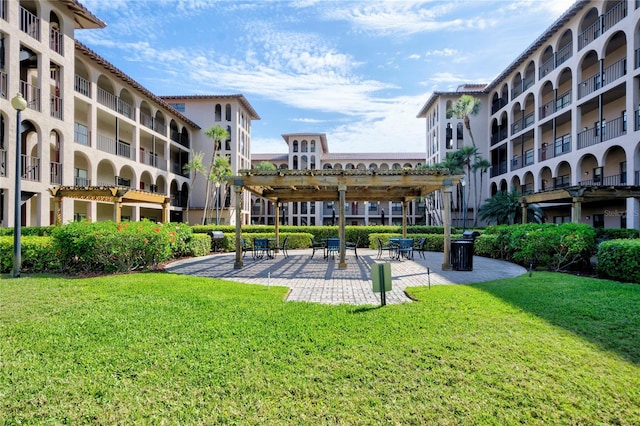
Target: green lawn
[(164, 349)]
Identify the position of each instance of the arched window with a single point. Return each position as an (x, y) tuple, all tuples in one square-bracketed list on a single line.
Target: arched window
[(295, 146), (218, 112)]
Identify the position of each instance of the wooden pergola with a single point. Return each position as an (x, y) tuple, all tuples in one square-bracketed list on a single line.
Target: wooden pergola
[(576, 196), (111, 194), (397, 185)]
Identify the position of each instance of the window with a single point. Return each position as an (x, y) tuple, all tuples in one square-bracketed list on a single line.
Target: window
[(449, 133), (598, 220), (623, 172), (528, 157)]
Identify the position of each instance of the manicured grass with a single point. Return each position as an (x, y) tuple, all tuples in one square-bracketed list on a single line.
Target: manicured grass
[(158, 348)]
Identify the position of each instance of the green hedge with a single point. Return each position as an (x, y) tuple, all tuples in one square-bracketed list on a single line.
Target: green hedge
[(296, 239), (620, 260), (38, 254), (433, 242), (200, 245)]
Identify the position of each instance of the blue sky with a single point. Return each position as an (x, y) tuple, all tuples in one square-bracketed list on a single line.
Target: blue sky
[(358, 71)]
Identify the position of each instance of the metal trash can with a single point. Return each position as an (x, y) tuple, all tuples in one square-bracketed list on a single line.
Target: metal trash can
[(216, 240), (462, 251)]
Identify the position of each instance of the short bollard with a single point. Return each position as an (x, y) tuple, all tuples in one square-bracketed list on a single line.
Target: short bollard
[(381, 277)]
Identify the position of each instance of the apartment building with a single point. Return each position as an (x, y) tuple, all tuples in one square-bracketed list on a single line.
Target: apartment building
[(561, 123), (89, 128), (310, 151)]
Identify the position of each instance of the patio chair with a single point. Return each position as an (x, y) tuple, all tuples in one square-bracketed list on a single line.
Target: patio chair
[(420, 247), (333, 247), (261, 248), (245, 248), (352, 246), (405, 248), (283, 247), (389, 248), (318, 245)]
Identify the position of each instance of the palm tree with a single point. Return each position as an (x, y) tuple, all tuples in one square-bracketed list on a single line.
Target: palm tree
[(483, 165), (504, 208), (218, 134), (266, 166), (193, 167), (220, 171), (465, 106)]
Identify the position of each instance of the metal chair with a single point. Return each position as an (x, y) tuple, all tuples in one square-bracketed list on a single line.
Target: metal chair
[(283, 247), (405, 248), (419, 247), (333, 247), (261, 247), (389, 248)]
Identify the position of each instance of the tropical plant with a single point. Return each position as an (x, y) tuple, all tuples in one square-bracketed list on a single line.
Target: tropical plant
[(504, 208), (193, 167), (465, 106), (481, 164), (217, 134), (266, 166), (219, 172)]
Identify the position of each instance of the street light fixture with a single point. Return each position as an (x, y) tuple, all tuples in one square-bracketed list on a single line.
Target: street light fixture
[(464, 206), (217, 201), (19, 104)]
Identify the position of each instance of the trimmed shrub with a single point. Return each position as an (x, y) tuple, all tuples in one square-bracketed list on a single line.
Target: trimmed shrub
[(620, 260), (199, 245), (38, 254), (487, 245)]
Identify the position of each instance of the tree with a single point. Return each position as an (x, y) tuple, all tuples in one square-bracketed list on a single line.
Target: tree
[(483, 165), (218, 134), (266, 166), (465, 106), (193, 167), (504, 209), (219, 172)]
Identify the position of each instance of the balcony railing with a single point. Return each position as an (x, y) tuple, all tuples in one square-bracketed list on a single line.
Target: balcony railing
[(3, 162), (153, 159), (82, 86), (56, 41), (123, 149), (31, 95), (613, 180), (516, 91), (589, 85), (498, 169), (606, 131), (614, 15), (106, 144), (3, 84), (55, 174), (522, 124), (561, 146), (29, 23), (178, 137), (528, 120), (56, 107), (146, 120), (497, 105), (614, 71), (587, 36), (563, 54), (179, 200), (30, 168), (500, 135), (81, 181), (528, 82), (516, 162), (115, 103), (555, 61), (561, 182), (159, 126)]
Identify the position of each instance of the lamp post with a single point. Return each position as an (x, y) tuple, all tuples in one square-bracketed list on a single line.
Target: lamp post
[(464, 207), (19, 104), (217, 203)]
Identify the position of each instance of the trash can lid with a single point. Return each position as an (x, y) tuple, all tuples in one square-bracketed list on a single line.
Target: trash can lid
[(470, 235)]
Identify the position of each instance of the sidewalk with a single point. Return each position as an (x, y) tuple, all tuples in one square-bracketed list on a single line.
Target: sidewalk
[(319, 280)]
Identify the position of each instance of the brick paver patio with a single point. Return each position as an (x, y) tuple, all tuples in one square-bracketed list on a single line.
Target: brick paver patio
[(319, 280)]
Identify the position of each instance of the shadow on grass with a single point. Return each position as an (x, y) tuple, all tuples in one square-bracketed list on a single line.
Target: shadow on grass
[(601, 311)]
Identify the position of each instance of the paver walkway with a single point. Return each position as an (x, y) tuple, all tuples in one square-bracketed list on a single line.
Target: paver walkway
[(319, 280)]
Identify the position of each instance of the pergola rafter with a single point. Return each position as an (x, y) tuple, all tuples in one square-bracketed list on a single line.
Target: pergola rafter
[(109, 194), (397, 185)]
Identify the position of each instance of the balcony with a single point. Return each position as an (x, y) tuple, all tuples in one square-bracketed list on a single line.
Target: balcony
[(561, 182), (55, 173), (588, 86), (563, 54), (516, 91), (81, 181), (146, 120), (614, 71), (82, 86), (110, 145), (497, 105), (498, 169), (30, 168), (516, 163), (56, 107), (31, 95), (613, 180), (29, 23), (607, 131), (123, 149), (179, 199), (606, 21), (56, 41), (3, 84), (561, 146), (178, 137), (526, 121), (114, 103), (552, 107), (120, 181), (152, 159)]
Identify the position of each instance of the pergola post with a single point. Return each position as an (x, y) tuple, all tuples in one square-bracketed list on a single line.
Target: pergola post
[(523, 211), (117, 209), (577, 209), (237, 186), (166, 204), (58, 211), (446, 263), (277, 224), (404, 218), (342, 190)]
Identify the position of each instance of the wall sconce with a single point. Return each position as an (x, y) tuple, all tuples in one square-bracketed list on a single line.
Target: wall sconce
[(586, 173), (587, 217)]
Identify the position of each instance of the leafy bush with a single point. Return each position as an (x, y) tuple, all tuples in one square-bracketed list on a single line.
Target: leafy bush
[(37, 253), (116, 247), (556, 247), (620, 260), (603, 234), (487, 245), (200, 245)]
